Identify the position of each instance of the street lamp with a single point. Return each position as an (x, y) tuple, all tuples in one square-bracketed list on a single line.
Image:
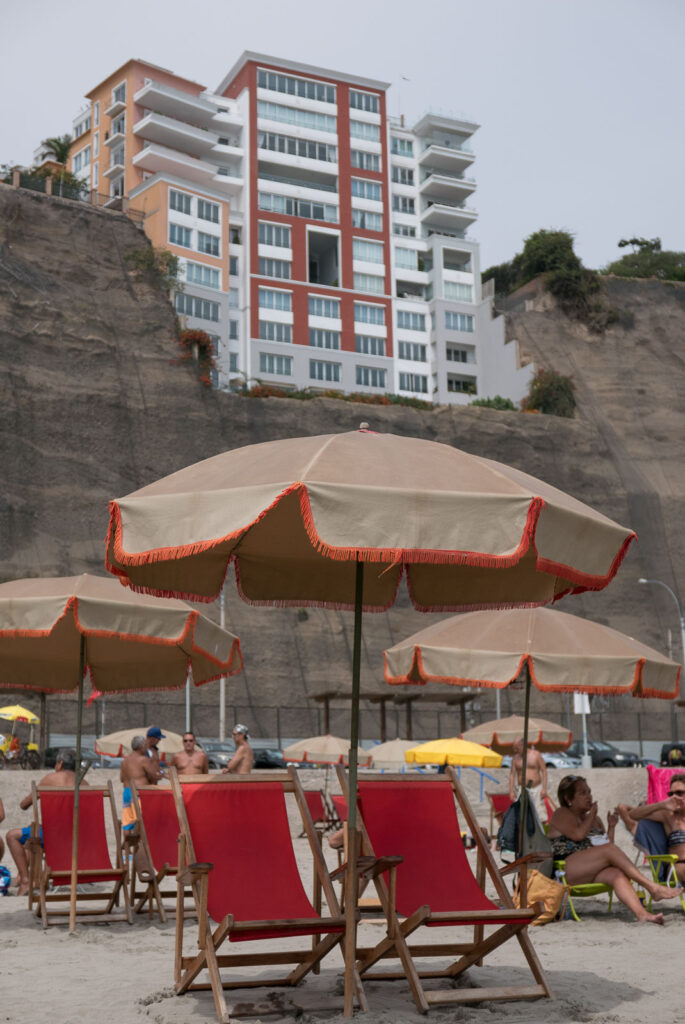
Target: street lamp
[(660, 583)]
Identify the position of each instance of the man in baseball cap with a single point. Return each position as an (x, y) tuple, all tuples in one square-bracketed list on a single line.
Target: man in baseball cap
[(154, 735)]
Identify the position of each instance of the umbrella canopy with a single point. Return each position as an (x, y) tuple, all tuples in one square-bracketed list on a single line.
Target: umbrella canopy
[(501, 733), (132, 641), (562, 652), (453, 751), (295, 515), (323, 750), (390, 756), (118, 744), (16, 713)]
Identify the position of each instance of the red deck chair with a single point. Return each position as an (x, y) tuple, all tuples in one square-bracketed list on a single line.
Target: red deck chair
[(321, 814), (499, 805), (236, 852), (435, 886), (157, 838), (340, 805), (54, 809)]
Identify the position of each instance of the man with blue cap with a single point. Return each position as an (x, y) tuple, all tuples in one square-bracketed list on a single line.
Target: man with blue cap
[(154, 735)]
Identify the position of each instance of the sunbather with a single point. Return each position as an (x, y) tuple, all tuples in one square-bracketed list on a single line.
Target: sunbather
[(671, 814), (570, 830), (191, 760), (242, 761), (63, 775)]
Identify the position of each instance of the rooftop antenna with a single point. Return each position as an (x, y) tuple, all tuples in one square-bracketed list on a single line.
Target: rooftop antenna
[(403, 78)]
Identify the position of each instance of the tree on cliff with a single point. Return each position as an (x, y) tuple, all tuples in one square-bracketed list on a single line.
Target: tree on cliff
[(58, 147), (648, 259)]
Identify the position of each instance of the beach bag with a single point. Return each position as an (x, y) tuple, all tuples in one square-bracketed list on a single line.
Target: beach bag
[(535, 839), (553, 896), (5, 880)]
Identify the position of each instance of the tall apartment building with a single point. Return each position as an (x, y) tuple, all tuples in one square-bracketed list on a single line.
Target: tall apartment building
[(323, 243)]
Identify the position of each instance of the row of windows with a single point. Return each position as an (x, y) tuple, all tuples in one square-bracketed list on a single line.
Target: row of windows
[(293, 115), (298, 147), (274, 234), (402, 175), (320, 305), (412, 350), (365, 161), (459, 322), (270, 330), (81, 160), (367, 221), (362, 130), (364, 344), (191, 305), (414, 382), (404, 229), (461, 292), (271, 299), (182, 202), (403, 204), (198, 273), (321, 370), (363, 188), (274, 268), (411, 321), (369, 252), (401, 147), (304, 87), (364, 101), (297, 207), (369, 283), (463, 385), (319, 338), (183, 237)]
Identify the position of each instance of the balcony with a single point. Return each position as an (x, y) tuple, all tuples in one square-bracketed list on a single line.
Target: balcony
[(445, 188), (155, 158), (115, 107), (176, 104), (450, 216), (116, 167), (115, 138), (305, 180), (167, 131), (441, 159)]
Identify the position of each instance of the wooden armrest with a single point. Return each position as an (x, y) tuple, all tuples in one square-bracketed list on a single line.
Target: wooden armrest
[(192, 872), (368, 867), (528, 858)]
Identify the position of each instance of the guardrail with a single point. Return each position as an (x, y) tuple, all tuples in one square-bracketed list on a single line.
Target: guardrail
[(54, 187)]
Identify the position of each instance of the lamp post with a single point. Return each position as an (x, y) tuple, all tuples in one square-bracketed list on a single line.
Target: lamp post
[(660, 583)]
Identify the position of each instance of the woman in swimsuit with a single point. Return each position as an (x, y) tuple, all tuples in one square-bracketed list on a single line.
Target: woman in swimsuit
[(570, 830), (671, 814)]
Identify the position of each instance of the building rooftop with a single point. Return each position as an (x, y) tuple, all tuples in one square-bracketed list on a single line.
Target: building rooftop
[(304, 69)]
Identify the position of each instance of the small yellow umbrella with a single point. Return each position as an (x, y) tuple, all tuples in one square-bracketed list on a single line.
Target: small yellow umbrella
[(453, 751), (16, 713)]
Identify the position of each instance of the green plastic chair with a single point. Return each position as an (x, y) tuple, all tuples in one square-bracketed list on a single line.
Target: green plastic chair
[(656, 860), (582, 890)]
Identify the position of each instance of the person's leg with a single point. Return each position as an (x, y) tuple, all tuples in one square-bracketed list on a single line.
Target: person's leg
[(624, 813), (585, 865), (18, 852), (627, 895)]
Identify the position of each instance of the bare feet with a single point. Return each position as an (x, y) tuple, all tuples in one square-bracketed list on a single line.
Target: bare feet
[(652, 919), (23, 889), (665, 892)]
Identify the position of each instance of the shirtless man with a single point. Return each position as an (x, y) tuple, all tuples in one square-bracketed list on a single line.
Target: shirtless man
[(138, 767), (243, 759), (190, 760), (671, 814), (63, 775), (536, 777), (154, 735)]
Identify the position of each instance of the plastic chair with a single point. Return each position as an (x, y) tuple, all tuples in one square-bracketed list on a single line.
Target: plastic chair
[(581, 890)]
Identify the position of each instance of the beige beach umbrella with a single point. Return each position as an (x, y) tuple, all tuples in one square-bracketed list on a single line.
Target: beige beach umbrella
[(53, 631), (501, 733), (390, 756), (336, 520), (118, 744), (324, 750)]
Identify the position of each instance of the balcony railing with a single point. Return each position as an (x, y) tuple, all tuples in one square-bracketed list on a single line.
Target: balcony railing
[(299, 182)]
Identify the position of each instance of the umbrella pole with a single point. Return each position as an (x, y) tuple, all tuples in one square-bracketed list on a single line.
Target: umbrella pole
[(523, 819), (77, 766), (352, 836)]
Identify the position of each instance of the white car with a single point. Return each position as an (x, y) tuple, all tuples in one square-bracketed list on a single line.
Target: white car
[(558, 759)]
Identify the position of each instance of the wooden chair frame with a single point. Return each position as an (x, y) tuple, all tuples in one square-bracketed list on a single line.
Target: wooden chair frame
[(195, 875), (467, 954), (44, 876)]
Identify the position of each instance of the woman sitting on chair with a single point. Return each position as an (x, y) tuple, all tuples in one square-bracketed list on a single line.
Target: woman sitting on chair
[(572, 828)]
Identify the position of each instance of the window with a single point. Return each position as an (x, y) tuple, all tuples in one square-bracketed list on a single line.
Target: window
[(364, 101), (270, 330), (370, 376), (367, 161), (233, 330), (362, 188), (208, 211), (324, 339), (180, 201), (411, 350), (403, 204), (119, 94), (117, 156), (404, 229), (462, 385), (297, 207), (293, 115), (82, 160), (96, 144), (269, 299), (191, 305), (119, 125), (274, 234), (295, 86), (208, 244), (282, 365), (179, 235), (198, 273), (96, 175), (454, 259), (321, 370), (320, 306), (401, 147), (367, 345), (457, 355), (407, 258), (96, 114), (459, 322), (362, 130), (233, 297), (274, 268), (414, 382), (298, 147), (364, 314), (460, 292), (233, 362), (411, 321), (402, 175), (369, 283), (368, 221), (236, 236), (369, 252), (233, 265)]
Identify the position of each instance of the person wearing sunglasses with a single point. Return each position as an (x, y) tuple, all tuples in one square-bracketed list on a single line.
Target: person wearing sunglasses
[(671, 813)]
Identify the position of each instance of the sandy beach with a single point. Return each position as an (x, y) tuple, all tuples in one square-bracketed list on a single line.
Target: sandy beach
[(605, 969)]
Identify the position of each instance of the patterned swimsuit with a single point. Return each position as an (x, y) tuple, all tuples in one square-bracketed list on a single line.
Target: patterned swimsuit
[(563, 847)]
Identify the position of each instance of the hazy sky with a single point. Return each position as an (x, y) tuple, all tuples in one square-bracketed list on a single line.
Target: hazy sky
[(580, 101)]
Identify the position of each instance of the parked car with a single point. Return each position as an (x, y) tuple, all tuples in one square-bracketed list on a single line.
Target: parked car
[(673, 755), (605, 755), (268, 759), (219, 752), (87, 755), (559, 759)]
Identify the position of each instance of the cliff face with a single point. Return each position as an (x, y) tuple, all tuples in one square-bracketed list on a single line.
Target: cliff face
[(93, 406)]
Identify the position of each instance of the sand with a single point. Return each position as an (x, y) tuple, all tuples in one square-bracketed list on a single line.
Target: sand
[(605, 969)]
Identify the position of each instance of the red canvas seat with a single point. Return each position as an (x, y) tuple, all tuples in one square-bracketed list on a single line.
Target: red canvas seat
[(156, 837), (55, 814), (237, 854), (340, 805), (435, 886), (499, 805)]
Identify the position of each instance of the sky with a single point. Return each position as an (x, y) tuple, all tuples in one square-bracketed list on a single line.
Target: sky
[(580, 102)]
